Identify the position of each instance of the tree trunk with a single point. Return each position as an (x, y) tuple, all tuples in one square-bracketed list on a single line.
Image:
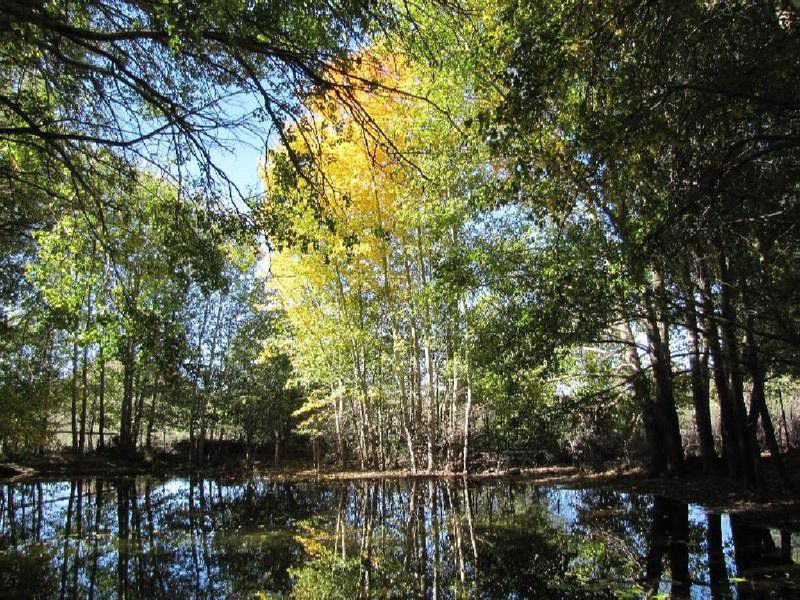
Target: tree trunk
[(432, 409), (758, 404), (84, 399), (85, 377), (127, 442), (698, 364), (101, 442), (666, 414), (151, 421), (731, 447), (467, 415), (746, 435), (397, 366), (208, 383), (74, 397), (785, 424), (656, 460), (338, 410), (139, 396)]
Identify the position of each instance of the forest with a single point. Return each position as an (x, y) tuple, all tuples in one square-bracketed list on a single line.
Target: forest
[(482, 234)]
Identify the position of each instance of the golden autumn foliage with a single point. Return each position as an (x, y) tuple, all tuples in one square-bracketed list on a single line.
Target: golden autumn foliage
[(353, 248)]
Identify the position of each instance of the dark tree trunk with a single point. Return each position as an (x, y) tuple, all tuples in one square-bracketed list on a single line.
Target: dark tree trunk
[(665, 411), (732, 450), (698, 363), (758, 400), (656, 459), (151, 418), (747, 436), (717, 567)]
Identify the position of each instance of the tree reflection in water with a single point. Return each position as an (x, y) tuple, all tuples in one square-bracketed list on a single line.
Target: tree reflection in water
[(201, 538)]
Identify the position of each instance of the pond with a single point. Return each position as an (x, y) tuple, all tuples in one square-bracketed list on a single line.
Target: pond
[(209, 538)]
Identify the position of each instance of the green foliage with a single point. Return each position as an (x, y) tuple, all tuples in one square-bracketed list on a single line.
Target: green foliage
[(327, 577)]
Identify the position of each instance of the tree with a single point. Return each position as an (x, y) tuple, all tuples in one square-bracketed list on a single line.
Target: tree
[(651, 120)]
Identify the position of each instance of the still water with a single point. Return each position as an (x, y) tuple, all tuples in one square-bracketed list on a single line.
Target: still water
[(207, 538)]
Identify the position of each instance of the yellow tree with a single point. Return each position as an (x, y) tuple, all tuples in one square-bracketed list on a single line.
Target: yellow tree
[(355, 241)]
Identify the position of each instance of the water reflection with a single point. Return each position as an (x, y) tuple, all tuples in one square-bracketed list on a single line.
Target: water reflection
[(201, 538)]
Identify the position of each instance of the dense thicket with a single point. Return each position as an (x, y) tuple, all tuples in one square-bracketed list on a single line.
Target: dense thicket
[(566, 231)]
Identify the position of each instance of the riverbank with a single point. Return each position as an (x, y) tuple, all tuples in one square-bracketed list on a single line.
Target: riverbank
[(771, 503), (719, 493)]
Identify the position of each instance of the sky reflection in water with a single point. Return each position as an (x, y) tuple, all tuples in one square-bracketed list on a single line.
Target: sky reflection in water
[(193, 538)]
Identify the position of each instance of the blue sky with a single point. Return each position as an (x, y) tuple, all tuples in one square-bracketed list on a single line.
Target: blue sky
[(245, 145)]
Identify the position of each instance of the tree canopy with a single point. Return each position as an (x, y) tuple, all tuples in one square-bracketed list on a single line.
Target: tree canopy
[(488, 231)]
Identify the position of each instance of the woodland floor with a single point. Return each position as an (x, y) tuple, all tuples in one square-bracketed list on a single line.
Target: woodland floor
[(770, 504)]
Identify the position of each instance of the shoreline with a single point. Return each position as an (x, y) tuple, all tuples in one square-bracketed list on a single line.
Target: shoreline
[(717, 493)]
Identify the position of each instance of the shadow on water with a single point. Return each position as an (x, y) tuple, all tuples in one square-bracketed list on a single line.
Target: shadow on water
[(201, 538)]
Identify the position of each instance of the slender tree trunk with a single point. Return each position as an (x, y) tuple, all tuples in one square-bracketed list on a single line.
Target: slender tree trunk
[(416, 388), (785, 424), (139, 396), (338, 410), (747, 436), (366, 423), (397, 366), (194, 408), (700, 385), (84, 399), (208, 384), (74, 398), (451, 420), (731, 447), (101, 442), (657, 460), (84, 375), (432, 409), (47, 369), (758, 404), (127, 442), (658, 332), (151, 418), (467, 416), (248, 436), (381, 450)]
